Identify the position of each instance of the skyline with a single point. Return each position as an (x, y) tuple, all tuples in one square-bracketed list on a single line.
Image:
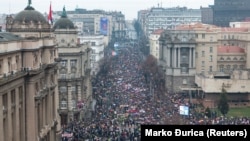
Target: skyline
[(128, 7)]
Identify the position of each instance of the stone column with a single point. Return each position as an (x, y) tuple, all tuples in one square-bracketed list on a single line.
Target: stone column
[(179, 57), (174, 57), (17, 126), (190, 57), (168, 57), (9, 118), (79, 92), (194, 58), (69, 97)]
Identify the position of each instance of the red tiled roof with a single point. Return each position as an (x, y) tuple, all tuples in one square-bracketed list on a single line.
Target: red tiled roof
[(229, 29), (230, 49), (158, 31)]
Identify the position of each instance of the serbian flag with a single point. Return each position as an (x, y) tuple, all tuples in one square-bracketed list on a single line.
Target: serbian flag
[(50, 19)]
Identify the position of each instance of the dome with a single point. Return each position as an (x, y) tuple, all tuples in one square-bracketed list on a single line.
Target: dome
[(64, 23), (29, 14)]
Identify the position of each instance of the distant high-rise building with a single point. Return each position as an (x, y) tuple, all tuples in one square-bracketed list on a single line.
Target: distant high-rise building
[(226, 11), (169, 18)]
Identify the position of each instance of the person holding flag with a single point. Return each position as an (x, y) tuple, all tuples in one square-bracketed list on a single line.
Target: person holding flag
[(50, 19)]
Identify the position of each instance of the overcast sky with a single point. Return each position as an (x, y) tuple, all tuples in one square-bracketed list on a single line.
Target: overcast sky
[(128, 7)]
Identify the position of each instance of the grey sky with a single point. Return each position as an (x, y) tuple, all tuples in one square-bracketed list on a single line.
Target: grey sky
[(127, 7)]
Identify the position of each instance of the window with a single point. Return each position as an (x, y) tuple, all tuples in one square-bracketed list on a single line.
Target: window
[(203, 53), (73, 63), (63, 104), (196, 54), (211, 58), (203, 36), (235, 59), (228, 58), (5, 102), (64, 63), (203, 63), (211, 49), (235, 67), (222, 58), (196, 35), (221, 68), (63, 89), (13, 97), (92, 43), (228, 67), (73, 89), (20, 90), (210, 68), (241, 66)]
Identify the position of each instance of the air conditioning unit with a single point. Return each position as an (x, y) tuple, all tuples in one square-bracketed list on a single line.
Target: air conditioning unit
[(13, 72), (5, 75)]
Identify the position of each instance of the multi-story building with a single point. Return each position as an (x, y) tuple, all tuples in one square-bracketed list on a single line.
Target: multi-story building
[(28, 79), (97, 46), (226, 11), (154, 43), (169, 18), (130, 30), (207, 15), (206, 51), (97, 22), (75, 91)]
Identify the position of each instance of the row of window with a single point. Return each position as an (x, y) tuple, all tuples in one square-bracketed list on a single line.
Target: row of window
[(72, 62), (230, 58)]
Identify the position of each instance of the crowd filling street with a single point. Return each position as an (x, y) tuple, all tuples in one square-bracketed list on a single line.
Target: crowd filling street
[(125, 100)]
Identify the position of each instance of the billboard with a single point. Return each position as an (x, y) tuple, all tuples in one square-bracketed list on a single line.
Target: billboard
[(184, 110), (104, 26)]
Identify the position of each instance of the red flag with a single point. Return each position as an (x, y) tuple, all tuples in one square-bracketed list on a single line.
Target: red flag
[(50, 19)]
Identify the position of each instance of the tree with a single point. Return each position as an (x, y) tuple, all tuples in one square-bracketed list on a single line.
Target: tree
[(223, 106), (208, 112)]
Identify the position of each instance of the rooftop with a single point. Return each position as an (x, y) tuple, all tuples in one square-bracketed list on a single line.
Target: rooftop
[(230, 49)]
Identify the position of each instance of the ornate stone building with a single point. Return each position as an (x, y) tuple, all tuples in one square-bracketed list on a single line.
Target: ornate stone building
[(200, 59), (28, 79), (75, 91)]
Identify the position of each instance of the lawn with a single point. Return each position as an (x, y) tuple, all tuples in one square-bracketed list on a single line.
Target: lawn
[(238, 112)]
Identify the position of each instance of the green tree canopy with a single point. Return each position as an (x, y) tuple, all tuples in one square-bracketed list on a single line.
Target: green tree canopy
[(223, 106)]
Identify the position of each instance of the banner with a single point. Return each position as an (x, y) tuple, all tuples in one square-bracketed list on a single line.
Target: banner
[(104, 26), (184, 110)]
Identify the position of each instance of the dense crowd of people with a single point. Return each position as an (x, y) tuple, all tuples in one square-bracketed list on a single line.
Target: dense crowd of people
[(125, 100)]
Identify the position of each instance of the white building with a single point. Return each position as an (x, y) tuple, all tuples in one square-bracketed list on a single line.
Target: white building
[(154, 43), (169, 18), (130, 30), (97, 46)]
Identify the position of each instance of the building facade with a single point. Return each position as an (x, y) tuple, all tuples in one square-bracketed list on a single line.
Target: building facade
[(97, 22), (169, 18), (97, 48), (196, 50), (226, 11), (154, 43), (75, 91), (28, 83)]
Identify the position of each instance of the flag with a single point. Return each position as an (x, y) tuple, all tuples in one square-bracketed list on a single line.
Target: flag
[(50, 19)]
